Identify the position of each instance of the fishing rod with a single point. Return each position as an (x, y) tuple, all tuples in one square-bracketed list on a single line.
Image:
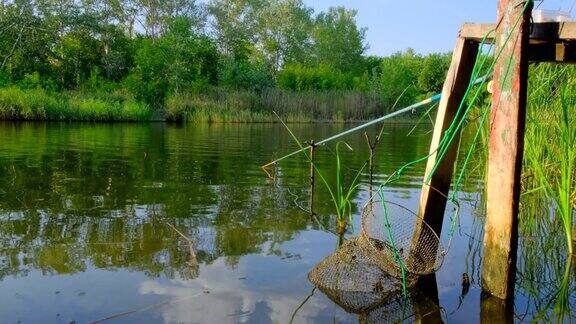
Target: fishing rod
[(430, 100)]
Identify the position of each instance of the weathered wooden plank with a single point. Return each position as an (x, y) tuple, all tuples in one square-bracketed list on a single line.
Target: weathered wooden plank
[(476, 31), (433, 196), (565, 31), (505, 152)]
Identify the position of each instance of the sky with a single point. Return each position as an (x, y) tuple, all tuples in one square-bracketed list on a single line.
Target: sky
[(427, 26)]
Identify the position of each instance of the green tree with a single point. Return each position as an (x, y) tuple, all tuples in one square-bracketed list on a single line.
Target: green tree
[(191, 57), (298, 77), (175, 62), (25, 42), (284, 28), (398, 78), (235, 23), (158, 15), (250, 74), (433, 72), (337, 39), (78, 55)]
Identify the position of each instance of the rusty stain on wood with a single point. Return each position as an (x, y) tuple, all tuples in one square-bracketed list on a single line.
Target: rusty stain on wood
[(505, 152)]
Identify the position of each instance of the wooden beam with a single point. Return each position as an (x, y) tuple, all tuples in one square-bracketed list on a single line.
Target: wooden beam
[(505, 152), (433, 196), (565, 31), (552, 52), (476, 32)]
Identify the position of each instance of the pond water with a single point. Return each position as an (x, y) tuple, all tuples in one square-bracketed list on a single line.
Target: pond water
[(95, 223)]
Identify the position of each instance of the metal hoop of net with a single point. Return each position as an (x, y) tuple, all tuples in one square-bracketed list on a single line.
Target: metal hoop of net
[(393, 237)]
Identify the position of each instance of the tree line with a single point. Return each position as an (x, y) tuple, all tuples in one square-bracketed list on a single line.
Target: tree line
[(159, 51)]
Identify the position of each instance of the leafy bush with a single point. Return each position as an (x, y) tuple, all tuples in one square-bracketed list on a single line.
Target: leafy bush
[(245, 75), (33, 104), (433, 72), (398, 78), (301, 78)]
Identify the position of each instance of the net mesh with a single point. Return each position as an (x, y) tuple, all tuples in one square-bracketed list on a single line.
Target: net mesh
[(350, 278), (365, 273), (389, 229)]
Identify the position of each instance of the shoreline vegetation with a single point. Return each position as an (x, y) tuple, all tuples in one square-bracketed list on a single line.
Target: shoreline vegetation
[(216, 106), (211, 61)]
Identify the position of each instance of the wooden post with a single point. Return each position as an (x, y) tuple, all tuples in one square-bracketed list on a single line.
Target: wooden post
[(495, 310), (371, 148), (433, 196), (505, 151), (425, 302), (312, 176)]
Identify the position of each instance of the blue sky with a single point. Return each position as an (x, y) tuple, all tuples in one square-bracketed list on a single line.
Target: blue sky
[(424, 25)]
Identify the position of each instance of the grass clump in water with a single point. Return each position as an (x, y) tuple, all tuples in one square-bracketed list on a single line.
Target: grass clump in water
[(551, 142), (340, 194)]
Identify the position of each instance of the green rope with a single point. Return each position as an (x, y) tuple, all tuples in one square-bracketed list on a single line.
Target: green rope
[(461, 114), (449, 135), (397, 257), (476, 73)]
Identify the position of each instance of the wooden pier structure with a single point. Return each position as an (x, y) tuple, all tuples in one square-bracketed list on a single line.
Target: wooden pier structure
[(556, 42)]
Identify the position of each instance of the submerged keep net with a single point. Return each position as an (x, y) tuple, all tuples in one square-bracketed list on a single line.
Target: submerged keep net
[(394, 237), (394, 247), (350, 279)]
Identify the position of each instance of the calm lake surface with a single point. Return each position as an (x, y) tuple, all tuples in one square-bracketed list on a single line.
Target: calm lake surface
[(92, 219)]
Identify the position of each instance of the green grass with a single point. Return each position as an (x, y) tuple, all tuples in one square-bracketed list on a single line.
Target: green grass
[(341, 194), (214, 105), (550, 147), (230, 105), (33, 104), (38, 104)]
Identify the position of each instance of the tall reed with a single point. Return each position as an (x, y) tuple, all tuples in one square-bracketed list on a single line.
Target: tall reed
[(550, 150), (234, 105), (340, 193)]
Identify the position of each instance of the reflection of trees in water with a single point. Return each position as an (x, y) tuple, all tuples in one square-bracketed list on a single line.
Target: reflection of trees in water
[(55, 243), (138, 237), (97, 196), (73, 196), (78, 234)]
